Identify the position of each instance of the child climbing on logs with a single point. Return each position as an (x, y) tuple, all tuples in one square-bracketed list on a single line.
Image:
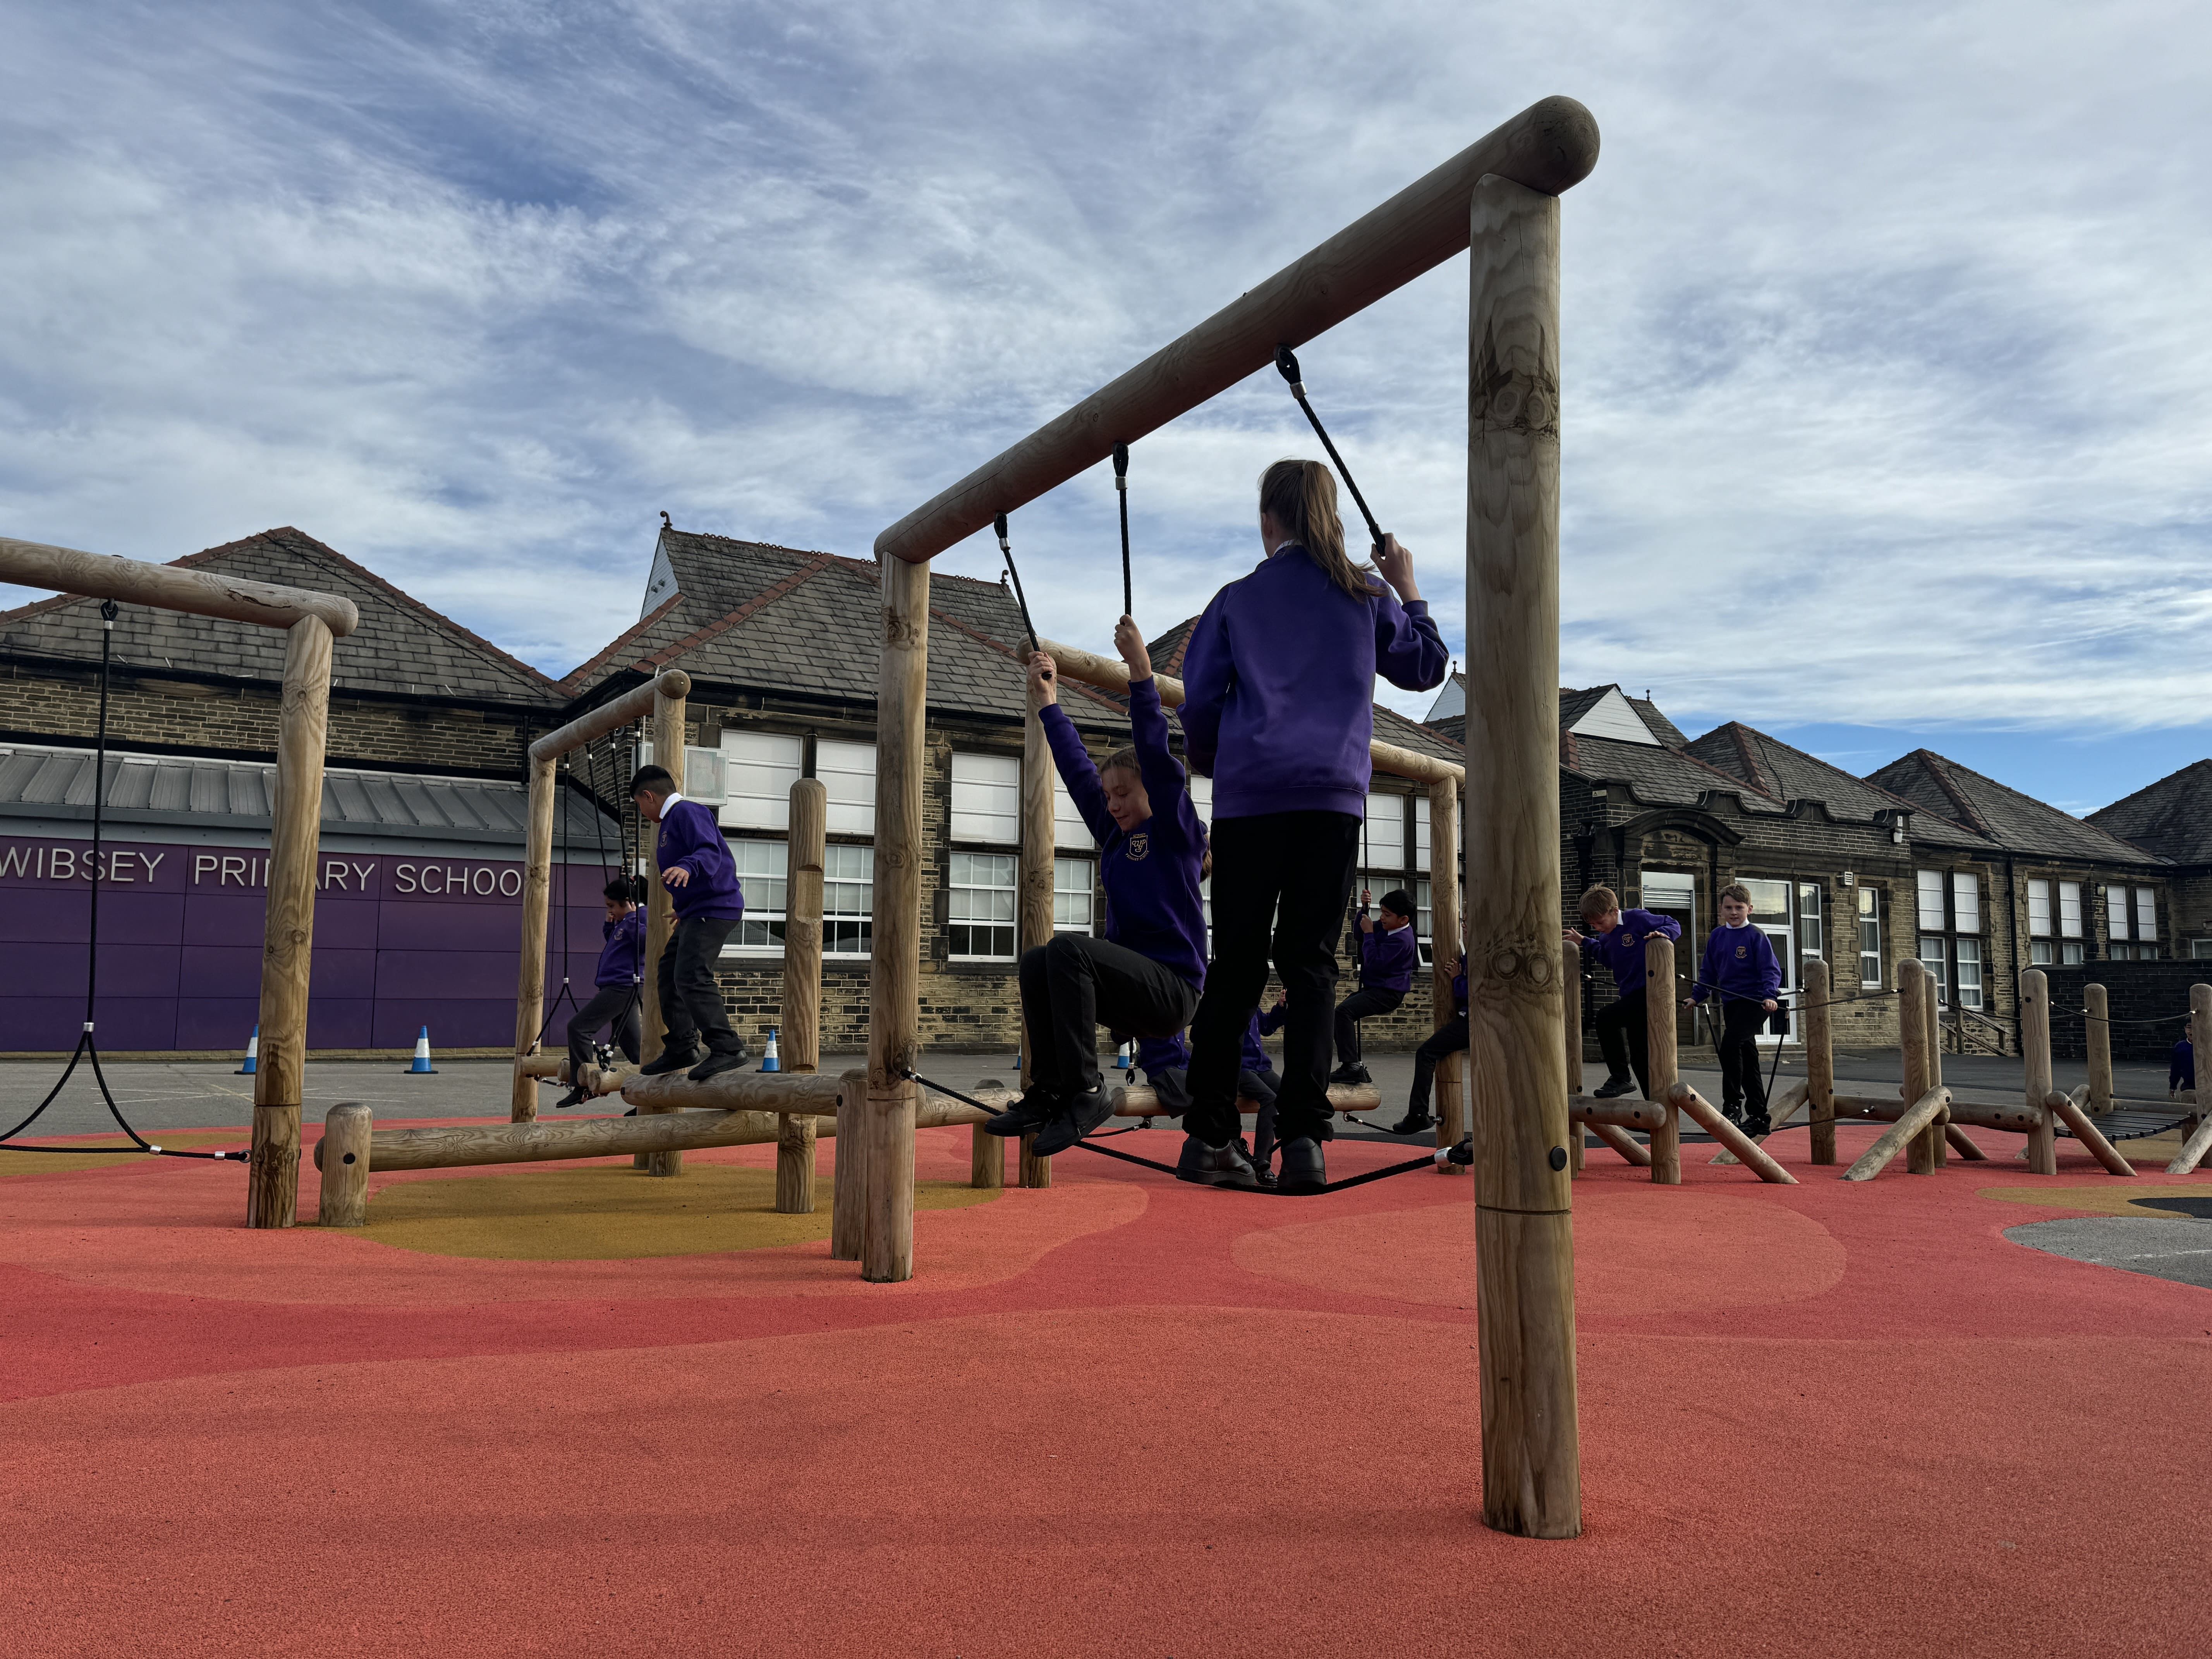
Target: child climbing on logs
[(620, 977), (1143, 978), (1280, 682), (1389, 953), (1449, 1038), (1740, 967), (1624, 1029), (695, 867)]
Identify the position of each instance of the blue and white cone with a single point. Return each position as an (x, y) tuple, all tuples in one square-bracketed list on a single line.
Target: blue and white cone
[(1122, 1058), (252, 1055), (769, 1061), (421, 1067)]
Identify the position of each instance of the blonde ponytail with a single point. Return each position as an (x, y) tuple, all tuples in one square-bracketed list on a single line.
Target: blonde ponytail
[(1301, 497)]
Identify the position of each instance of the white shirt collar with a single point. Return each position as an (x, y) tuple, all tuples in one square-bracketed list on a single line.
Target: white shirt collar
[(674, 796)]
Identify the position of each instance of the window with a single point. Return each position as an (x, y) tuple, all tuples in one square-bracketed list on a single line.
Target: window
[(2116, 913), (762, 870), (1425, 922), (1932, 958), (758, 770), (1068, 828), (848, 771), (2199, 948), (849, 900), (1810, 919), (1383, 840), (1931, 899), (1201, 798), (987, 798), (1421, 836), (2069, 911), (1871, 938), (1074, 881), (1970, 972), (2145, 912), (2070, 953), (2038, 909), (1966, 902), (983, 906)]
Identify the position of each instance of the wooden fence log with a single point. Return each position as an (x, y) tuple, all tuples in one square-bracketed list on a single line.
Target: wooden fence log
[(1914, 1019), (2068, 1110), (1659, 1016), (800, 1032), (1781, 1111), (1927, 1111), (197, 592), (669, 740), (1622, 1142), (1748, 1151), (1961, 1142), (1570, 1029), (530, 982), (1928, 1156), (1819, 1061), (342, 1156), (2035, 1060), (2097, 1029), (1033, 914), (848, 1200)]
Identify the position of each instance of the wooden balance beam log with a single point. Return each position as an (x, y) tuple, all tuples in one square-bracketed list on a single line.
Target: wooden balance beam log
[(1707, 1117), (1137, 1100), (1612, 1120), (1910, 1123), (1793, 1101), (598, 1080), (2068, 1109)]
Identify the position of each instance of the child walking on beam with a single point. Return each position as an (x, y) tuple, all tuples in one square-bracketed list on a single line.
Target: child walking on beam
[(1624, 1029), (1279, 678), (695, 867), (1389, 953), (1143, 978), (614, 1002), (1740, 967)]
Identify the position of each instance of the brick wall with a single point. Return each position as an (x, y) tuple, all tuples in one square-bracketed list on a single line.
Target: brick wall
[(2134, 991)]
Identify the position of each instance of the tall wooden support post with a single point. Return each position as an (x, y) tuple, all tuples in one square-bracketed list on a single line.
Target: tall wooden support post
[(1936, 1135), (2035, 1060), (1915, 1016), (1820, 1061), (895, 972), (668, 742), (1444, 951), (801, 1030), (272, 1185), (344, 1160), (2200, 1046), (1035, 921), (2097, 1027), (848, 1202), (536, 901), (1661, 1051), (1571, 1031), (1524, 1222)]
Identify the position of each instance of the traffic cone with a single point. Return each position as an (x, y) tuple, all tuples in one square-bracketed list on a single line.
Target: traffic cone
[(769, 1061), (423, 1067), (1122, 1058), (253, 1054)]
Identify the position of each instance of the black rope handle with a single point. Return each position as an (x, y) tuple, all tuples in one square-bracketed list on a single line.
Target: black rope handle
[(1286, 364), (1121, 493), (1007, 547)]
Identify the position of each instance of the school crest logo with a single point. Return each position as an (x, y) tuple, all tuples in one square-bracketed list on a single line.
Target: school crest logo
[(1140, 846), (1628, 938), (1741, 952)]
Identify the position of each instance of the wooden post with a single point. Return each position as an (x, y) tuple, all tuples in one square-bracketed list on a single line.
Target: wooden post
[(895, 972), (1035, 919), (536, 901), (1659, 1015), (1914, 1014), (1443, 955), (2035, 1058), (2200, 1042), (2097, 1027), (1524, 1227), (343, 1159), (848, 1201), (1571, 1028), (668, 743), (804, 850), (1820, 1062), (1937, 1145), (272, 1187)]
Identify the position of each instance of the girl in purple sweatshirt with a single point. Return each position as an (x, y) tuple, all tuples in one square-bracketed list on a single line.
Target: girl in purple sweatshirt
[(1279, 687)]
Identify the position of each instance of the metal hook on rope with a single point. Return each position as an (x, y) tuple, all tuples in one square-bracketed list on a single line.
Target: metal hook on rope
[(1286, 363), (1007, 547)]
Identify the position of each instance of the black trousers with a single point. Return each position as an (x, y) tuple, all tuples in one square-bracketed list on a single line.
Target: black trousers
[(1741, 1081), (1450, 1039), (1289, 872), (1260, 1087), (1366, 1000), (691, 1005), (1624, 1038), (610, 1005), (1075, 984)]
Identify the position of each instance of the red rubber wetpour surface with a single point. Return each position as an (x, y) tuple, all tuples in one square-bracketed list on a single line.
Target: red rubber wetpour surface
[(1120, 1416)]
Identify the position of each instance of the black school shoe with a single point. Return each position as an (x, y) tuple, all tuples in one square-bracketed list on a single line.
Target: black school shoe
[(1612, 1088), (1412, 1124), (1305, 1170), (574, 1097), (1079, 1115), (715, 1065), (670, 1061), (1205, 1165), (1758, 1125), (1351, 1073), (1026, 1115)]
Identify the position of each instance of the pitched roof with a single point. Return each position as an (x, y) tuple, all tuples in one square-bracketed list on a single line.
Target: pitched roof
[(2018, 823), (2171, 819), (401, 645), (1775, 767), (1393, 728), (1167, 651), (1657, 775), (1661, 729)]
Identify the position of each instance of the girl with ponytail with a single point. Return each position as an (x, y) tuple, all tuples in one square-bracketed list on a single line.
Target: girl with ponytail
[(1279, 687)]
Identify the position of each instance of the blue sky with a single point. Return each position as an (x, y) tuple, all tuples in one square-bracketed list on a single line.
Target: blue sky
[(1888, 378)]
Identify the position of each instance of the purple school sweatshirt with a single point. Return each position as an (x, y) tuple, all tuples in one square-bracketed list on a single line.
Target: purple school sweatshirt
[(1387, 961), (1740, 965), (1622, 950), (1279, 675), (690, 836), (1168, 1053), (622, 956), (1150, 872), (1256, 1058)]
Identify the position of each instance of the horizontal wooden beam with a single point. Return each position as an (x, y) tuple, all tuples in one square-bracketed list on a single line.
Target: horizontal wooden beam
[(1136, 1100), (1550, 146), (1112, 674), (634, 705), (171, 587), (1620, 1113), (1621, 1141), (1883, 1109)]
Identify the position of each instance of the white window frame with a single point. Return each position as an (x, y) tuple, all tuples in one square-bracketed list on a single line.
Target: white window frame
[(1969, 951), (1871, 938), (1074, 878), (2069, 911), (2038, 908), (2145, 912), (1421, 835), (2199, 948), (767, 894), (848, 897), (1069, 832), (2116, 913), (1005, 942), (1201, 798), (1935, 914), (1425, 921), (1938, 963), (758, 769), (1966, 902), (1382, 834), (987, 798), (848, 771), (1812, 921)]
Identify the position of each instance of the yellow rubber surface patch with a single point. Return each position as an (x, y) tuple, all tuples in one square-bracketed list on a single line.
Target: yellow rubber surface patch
[(2113, 1200), (604, 1212), (194, 1140)]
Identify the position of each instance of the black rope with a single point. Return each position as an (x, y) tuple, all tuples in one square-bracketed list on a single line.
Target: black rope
[(1427, 1160), (2103, 1019), (1007, 547), (1287, 364), (87, 1045), (1121, 492), (566, 994)]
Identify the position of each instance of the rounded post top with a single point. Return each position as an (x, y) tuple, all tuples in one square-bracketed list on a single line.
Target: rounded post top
[(1558, 146), (673, 684)]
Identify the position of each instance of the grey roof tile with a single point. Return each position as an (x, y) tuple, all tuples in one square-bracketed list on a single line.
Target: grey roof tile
[(2018, 823), (2171, 819)]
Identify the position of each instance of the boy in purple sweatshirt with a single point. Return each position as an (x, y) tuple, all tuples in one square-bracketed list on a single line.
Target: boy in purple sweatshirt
[(1739, 966), (1389, 953), (1623, 1027), (620, 977), (1280, 682), (1143, 978), (701, 877), (1449, 1038)]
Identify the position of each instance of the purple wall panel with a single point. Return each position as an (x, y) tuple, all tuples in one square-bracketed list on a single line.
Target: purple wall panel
[(414, 974), (54, 1023), (222, 970), (221, 1022), (42, 970), (61, 915), (454, 1023), (340, 1022)]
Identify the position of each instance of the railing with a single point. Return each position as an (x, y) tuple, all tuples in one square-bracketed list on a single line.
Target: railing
[(1988, 1036)]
